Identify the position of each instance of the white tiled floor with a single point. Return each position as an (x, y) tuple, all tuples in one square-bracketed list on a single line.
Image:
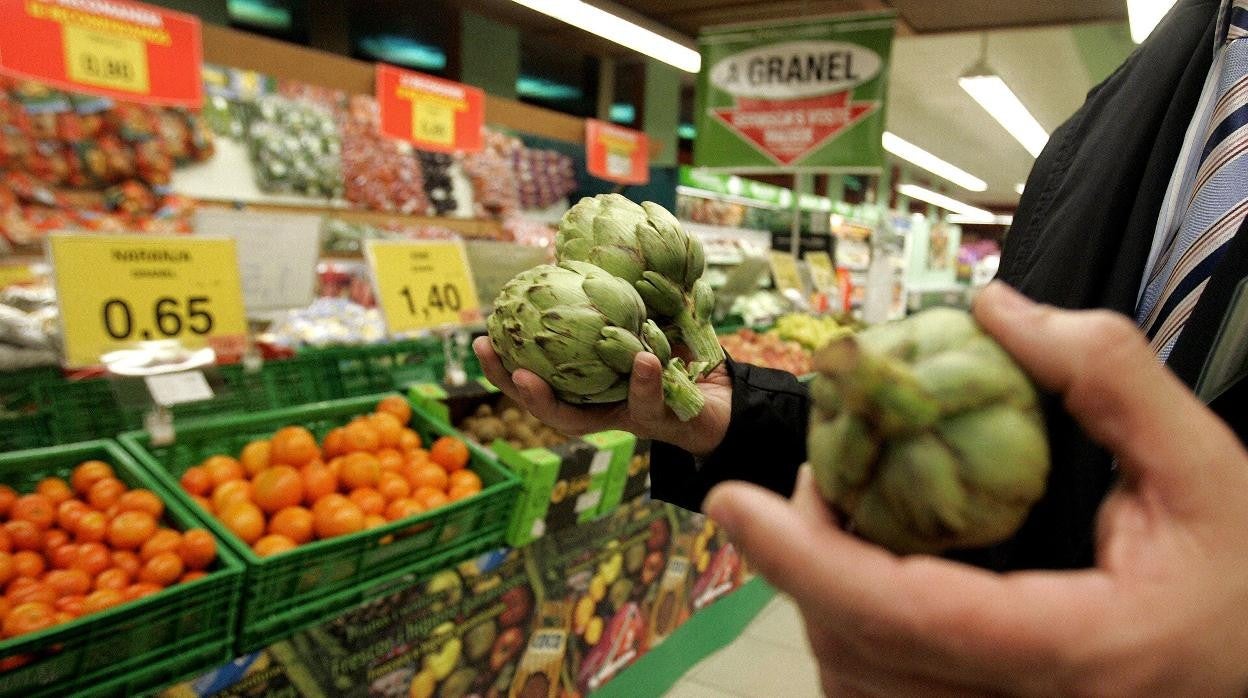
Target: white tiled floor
[(770, 658)]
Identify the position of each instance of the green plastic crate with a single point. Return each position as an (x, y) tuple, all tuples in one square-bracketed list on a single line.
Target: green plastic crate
[(141, 645), (320, 580), (378, 368), (20, 431), (17, 387)]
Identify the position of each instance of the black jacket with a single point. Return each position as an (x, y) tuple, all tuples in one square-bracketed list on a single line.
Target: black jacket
[(1081, 239)]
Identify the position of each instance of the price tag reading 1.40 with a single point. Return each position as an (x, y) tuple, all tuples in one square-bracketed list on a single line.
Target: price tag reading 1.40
[(423, 284), (117, 291)]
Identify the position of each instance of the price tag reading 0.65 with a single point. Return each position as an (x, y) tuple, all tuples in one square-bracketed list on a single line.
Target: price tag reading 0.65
[(167, 318)]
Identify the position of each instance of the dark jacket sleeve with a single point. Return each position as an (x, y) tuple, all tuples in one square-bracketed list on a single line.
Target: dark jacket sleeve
[(765, 442)]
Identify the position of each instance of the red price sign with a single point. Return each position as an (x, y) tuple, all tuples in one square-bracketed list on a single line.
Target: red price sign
[(616, 154), (432, 113), (114, 48)]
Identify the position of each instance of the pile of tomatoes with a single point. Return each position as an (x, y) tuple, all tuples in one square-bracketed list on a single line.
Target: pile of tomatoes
[(289, 490), (73, 548)]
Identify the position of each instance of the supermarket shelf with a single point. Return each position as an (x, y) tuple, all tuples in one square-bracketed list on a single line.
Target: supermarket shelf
[(468, 227)]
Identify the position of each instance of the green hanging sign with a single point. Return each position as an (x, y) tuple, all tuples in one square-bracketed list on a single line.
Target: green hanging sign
[(795, 95)]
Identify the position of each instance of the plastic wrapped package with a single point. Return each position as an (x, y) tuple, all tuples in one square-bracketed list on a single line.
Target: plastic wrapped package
[(326, 322), (381, 174), (496, 191), (295, 148)]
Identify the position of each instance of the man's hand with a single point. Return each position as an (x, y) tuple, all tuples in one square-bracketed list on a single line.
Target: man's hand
[(644, 414), (1164, 612)]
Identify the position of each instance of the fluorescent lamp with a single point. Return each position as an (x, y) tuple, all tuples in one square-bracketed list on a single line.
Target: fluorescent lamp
[(978, 220), (1019, 188), (1002, 104), (912, 153), (621, 31), (1144, 15), (945, 202)]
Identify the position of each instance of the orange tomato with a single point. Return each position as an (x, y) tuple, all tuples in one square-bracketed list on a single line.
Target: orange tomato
[(198, 548), (68, 582), (35, 508), (464, 478), (368, 500), (62, 558), (388, 429), (390, 459), (24, 534), (293, 446), (92, 558), (102, 599), (28, 618), (295, 523), (403, 508), (163, 569), (8, 569), (105, 493), (396, 406), (6, 543), (459, 492), (359, 470), (54, 539), (277, 488), (141, 500), (166, 540), (8, 495), (361, 436), (192, 576), (33, 590), (430, 497), (338, 520), (329, 501), (222, 469), (244, 519), (335, 443), (88, 473), (72, 604), (129, 530), (429, 475), (450, 453), (92, 528), (112, 578), (68, 513), (409, 440), (127, 560), (318, 481), (256, 456), (197, 481), (54, 488), (374, 520), (203, 503), (231, 492), (28, 563), (393, 486), (273, 544), (140, 589)]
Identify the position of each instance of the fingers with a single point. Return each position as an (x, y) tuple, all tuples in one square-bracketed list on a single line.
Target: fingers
[(645, 395), (538, 398), (492, 366), (1117, 389), (808, 502)]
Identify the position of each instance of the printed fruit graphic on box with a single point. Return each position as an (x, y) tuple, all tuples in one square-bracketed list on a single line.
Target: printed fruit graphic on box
[(289, 490)]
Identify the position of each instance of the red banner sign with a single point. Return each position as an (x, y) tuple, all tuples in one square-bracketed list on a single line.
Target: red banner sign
[(114, 48), (616, 154), (787, 130), (432, 113)]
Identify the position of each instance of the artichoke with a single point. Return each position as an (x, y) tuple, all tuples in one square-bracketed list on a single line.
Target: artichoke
[(925, 435), (578, 328), (645, 245)]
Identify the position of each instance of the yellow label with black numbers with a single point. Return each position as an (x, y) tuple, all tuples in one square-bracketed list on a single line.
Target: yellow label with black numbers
[(433, 121), (117, 290), (106, 60), (423, 284)]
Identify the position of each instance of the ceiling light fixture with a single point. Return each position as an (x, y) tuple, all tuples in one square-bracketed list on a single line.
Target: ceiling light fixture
[(914, 154), (1144, 16), (960, 219), (985, 86), (621, 31), (949, 204)]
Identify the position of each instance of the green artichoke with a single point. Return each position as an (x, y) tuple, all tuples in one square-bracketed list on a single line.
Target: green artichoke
[(578, 328), (925, 435), (645, 245)]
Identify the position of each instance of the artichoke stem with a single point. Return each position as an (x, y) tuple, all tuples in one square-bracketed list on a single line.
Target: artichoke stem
[(700, 337), (680, 392)]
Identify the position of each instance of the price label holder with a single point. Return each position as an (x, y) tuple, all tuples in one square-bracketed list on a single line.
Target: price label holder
[(429, 112), (822, 272), (422, 284), (117, 292), (616, 154), (785, 273)]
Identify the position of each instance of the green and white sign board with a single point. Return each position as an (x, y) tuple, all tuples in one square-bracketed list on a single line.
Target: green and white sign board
[(799, 95)]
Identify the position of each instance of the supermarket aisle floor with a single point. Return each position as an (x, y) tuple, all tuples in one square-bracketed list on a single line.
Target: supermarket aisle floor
[(770, 658)]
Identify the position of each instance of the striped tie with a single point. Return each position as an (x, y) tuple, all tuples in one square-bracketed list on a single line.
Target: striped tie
[(1216, 192)]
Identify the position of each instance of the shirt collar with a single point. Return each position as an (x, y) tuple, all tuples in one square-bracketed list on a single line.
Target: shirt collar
[(1224, 20)]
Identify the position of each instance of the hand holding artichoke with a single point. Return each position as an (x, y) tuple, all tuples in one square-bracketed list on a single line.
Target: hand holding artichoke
[(579, 328), (645, 246), (925, 435)]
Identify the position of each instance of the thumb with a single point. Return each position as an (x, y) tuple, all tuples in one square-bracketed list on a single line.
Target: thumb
[(1117, 390)]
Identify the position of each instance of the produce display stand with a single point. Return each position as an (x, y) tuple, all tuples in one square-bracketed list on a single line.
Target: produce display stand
[(140, 645), (322, 579)]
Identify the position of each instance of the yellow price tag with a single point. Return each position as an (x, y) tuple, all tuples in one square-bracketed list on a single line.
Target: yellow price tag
[(784, 272), (106, 60), (423, 284), (433, 121), (118, 290), (822, 272), (14, 274)]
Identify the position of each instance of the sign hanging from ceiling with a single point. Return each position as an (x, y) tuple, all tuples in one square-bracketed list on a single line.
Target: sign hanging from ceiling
[(616, 154), (114, 48), (795, 95), (431, 113)]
